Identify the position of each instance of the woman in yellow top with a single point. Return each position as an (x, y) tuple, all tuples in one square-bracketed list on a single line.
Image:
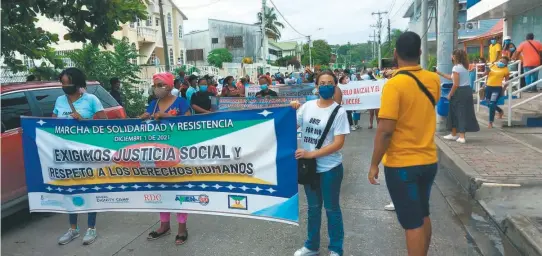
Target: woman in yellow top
[(494, 89)]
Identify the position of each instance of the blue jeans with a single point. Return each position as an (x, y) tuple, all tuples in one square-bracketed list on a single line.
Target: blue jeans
[(329, 194), (493, 93), (91, 222), (531, 78)]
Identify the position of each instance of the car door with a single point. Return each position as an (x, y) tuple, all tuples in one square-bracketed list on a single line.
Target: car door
[(14, 105)]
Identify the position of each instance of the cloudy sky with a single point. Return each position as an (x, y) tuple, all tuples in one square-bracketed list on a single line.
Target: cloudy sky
[(322, 19)]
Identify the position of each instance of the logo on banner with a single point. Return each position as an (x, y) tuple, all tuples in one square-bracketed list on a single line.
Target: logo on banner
[(78, 201), (237, 202), (112, 200), (51, 200), (152, 198), (201, 199)]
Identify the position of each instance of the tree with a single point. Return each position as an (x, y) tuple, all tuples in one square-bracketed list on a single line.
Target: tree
[(321, 53), (272, 25), (103, 65), (218, 56), (91, 21)]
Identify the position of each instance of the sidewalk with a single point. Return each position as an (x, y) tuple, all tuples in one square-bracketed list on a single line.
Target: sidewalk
[(502, 170)]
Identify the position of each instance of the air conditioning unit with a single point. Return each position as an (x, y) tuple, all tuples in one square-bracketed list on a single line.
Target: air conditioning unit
[(472, 25), (461, 26)]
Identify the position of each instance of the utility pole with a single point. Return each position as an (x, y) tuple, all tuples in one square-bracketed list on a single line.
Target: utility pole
[(264, 38), (379, 26), (310, 52), (164, 39), (373, 44), (389, 32), (425, 11), (445, 43)]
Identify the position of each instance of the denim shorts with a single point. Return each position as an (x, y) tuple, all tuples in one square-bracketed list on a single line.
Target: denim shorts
[(410, 189)]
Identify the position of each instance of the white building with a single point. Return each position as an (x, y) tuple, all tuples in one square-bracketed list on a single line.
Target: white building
[(144, 35)]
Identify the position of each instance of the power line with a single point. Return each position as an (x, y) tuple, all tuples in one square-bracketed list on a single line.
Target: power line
[(283, 18), (198, 6), (398, 10), (391, 7)]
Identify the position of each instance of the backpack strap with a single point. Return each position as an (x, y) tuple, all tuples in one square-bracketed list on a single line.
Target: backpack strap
[(420, 85), (328, 126)]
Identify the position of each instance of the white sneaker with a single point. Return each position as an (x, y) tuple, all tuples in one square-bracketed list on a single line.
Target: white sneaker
[(450, 137), (333, 254), (306, 252), (461, 140), (353, 127), (389, 207)]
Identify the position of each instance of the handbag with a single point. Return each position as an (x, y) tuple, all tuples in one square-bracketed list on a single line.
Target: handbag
[(306, 167), (420, 85)]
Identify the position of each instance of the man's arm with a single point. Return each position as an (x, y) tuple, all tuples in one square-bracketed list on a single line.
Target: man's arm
[(384, 132)]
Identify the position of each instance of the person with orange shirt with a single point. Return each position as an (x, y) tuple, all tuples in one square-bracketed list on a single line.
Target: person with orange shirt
[(530, 50), (404, 141)]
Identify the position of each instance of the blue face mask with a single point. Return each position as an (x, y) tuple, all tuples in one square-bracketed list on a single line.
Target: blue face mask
[(203, 88), (326, 91), (500, 64), (263, 86), (246, 85), (512, 49), (493, 41)]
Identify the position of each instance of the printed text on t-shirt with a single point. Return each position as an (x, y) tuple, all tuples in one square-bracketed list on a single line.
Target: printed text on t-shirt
[(312, 130)]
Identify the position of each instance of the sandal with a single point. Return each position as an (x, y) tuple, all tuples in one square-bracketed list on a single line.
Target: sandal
[(181, 239), (155, 235)]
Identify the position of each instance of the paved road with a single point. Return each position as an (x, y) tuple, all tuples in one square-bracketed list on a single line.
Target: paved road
[(369, 230)]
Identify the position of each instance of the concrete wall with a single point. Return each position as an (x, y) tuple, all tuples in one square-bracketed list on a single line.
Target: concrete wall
[(198, 40), (250, 33)]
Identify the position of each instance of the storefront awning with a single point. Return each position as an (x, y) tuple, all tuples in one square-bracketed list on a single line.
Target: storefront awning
[(493, 32)]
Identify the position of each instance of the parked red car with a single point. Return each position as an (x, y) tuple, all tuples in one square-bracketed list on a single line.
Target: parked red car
[(32, 99)]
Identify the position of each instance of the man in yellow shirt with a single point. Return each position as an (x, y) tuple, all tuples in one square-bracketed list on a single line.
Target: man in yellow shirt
[(405, 144), (494, 50), (496, 74)]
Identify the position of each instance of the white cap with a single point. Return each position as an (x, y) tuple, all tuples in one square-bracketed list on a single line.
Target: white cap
[(507, 38), (195, 73)]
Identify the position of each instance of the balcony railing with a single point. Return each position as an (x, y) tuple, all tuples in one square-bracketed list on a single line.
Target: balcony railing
[(148, 34)]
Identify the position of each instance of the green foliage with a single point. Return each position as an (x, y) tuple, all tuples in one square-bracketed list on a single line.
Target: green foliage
[(321, 53), (44, 73), (218, 56), (474, 57), (282, 61), (431, 62), (103, 65), (86, 20), (188, 70), (272, 25)]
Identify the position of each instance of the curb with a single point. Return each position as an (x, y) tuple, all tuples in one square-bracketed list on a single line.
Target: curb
[(462, 172), (521, 231), (518, 229)]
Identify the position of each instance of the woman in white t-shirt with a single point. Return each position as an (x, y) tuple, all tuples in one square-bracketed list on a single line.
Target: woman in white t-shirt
[(312, 118), (461, 117)]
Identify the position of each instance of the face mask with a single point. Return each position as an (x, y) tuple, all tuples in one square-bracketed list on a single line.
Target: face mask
[(69, 90), (247, 85), (512, 49), (493, 41), (203, 88), (326, 91), (263, 86), (501, 65), (160, 92)]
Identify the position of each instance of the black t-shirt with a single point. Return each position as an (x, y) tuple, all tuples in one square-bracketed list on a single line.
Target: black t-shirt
[(202, 100), (269, 92)]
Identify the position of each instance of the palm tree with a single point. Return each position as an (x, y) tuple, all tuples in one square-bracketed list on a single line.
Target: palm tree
[(272, 25)]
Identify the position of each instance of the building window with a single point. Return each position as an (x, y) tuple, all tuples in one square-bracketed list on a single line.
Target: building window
[(138, 22), (181, 57), (180, 31), (132, 24), (134, 60), (214, 40), (148, 23), (171, 57), (275, 52), (234, 42), (194, 55), (169, 28), (152, 59), (28, 62), (157, 22), (67, 61)]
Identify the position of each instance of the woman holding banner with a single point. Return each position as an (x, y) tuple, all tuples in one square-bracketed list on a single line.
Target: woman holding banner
[(315, 116), (167, 105), (344, 80), (229, 89), (77, 104)]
